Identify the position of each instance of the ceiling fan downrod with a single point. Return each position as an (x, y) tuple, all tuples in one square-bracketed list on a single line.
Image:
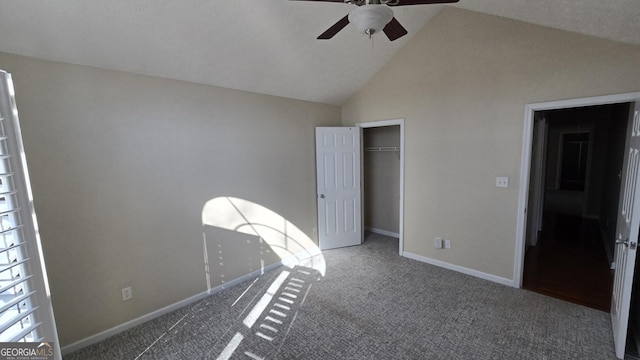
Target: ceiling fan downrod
[(374, 16)]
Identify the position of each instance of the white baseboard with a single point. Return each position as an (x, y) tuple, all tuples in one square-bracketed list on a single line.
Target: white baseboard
[(461, 269), (93, 339), (383, 232)]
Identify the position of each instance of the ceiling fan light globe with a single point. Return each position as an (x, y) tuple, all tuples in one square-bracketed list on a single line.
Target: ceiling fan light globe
[(370, 19)]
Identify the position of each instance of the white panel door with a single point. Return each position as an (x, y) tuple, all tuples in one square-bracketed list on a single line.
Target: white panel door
[(338, 164), (627, 237)]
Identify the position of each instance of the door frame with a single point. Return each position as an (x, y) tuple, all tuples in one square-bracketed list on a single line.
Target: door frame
[(537, 178), (384, 123), (525, 163)]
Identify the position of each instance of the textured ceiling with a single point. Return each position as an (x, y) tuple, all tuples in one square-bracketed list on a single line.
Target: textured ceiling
[(267, 47)]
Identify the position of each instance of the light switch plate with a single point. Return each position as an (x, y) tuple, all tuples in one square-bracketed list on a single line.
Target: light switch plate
[(502, 182), (437, 243), (127, 293)]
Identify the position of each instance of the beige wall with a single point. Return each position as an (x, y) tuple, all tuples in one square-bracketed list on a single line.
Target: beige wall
[(122, 166), (462, 84)]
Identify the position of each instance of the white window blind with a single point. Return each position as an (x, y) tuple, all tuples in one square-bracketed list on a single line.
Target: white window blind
[(25, 306)]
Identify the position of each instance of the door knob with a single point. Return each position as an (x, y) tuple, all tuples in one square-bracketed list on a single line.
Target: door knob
[(321, 196)]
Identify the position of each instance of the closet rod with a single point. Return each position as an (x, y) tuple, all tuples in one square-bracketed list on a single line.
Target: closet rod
[(383, 148)]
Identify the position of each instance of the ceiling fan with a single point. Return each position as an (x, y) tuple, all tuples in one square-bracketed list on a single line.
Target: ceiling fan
[(372, 16)]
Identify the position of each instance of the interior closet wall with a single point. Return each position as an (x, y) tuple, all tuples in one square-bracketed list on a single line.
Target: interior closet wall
[(382, 179)]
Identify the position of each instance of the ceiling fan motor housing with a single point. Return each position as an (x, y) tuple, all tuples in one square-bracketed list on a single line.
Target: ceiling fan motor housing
[(370, 19), (365, 2), (372, 16)]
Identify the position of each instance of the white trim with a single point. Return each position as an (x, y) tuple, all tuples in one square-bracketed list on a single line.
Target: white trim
[(590, 101), (382, 232), (394, 122), (525, 163), (381, 123), (93, 339), (96, 338), (525, 168), (460, 269)]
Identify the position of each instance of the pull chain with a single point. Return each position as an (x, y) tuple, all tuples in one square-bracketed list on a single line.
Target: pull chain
[(370, 32)]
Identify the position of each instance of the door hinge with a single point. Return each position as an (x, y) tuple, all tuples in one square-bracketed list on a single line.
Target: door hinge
[(630, 244)]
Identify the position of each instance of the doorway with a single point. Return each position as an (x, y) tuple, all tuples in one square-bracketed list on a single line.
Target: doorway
[(584, 154), (574, 160), (383, 178), (626, 222)]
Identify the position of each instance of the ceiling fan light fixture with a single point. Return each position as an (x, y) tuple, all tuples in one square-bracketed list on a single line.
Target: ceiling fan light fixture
[(370, 19)]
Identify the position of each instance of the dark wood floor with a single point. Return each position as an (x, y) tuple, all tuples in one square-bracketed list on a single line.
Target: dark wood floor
[(570, 262)]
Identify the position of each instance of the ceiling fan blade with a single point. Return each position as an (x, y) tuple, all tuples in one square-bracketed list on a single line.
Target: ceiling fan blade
[(332, 31), (423, 2), (394, 30)]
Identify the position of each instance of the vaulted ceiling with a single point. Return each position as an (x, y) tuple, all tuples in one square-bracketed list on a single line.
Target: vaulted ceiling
[(267, 47)]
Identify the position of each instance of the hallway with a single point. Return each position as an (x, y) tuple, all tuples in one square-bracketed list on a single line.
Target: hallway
[(570, 262)]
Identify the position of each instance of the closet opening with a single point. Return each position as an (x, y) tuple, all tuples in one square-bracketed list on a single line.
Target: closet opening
[(382, 178)]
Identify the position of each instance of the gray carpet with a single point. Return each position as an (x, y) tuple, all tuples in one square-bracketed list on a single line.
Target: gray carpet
[(372, 304)]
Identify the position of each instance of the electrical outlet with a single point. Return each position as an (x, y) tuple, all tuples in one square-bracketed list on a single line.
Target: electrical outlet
[(447, 244), (502, 182), (437, 243), (127, 293)]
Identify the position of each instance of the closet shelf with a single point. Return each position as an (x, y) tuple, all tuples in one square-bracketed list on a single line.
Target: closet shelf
[(382, 148)]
